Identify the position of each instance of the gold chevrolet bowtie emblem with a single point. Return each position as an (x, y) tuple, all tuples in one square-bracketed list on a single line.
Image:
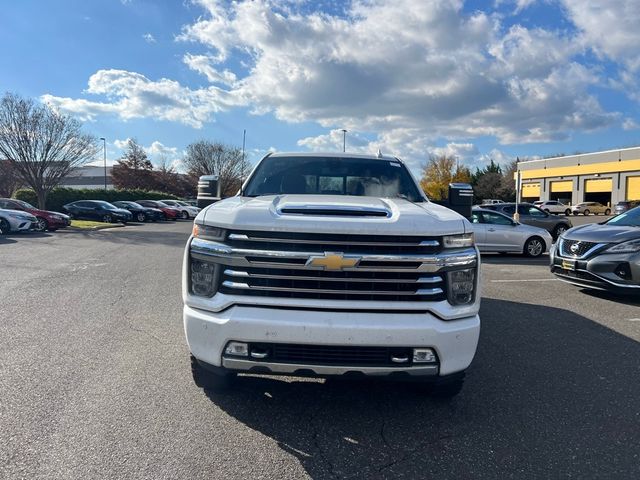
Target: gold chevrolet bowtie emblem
[(333, 261)]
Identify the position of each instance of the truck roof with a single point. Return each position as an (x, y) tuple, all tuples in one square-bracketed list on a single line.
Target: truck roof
[(334, 155)]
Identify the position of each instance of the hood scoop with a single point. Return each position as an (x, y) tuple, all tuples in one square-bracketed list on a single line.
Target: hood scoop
[(333, 210)]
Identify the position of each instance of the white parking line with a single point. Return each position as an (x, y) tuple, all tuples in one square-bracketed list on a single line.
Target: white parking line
[(634, 319), (527, 280)]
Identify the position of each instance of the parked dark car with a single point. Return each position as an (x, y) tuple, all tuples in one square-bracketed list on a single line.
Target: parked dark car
[(139, 212), (603, 256), (170, 213), (622, 207), (98, 210), (532, 215), (46, 220)]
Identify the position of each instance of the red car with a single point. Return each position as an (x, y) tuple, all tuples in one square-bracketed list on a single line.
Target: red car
[(170, 213), (46, 220)]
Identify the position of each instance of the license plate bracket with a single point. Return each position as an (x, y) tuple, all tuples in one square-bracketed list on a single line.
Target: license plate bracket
[(569, 265)]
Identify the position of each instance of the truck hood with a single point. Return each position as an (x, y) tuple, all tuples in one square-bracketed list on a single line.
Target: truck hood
[(602, 233), (334, 214)]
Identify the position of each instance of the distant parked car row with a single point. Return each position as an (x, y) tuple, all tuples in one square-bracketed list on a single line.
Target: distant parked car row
[(126, 210), (17, 215)]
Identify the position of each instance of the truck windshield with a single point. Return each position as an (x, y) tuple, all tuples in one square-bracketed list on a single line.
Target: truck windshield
[(333, 176)]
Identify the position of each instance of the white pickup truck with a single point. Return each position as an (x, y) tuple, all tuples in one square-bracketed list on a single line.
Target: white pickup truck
[(331, 264)]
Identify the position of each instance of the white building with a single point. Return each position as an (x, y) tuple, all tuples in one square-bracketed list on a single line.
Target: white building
[(90, 176)]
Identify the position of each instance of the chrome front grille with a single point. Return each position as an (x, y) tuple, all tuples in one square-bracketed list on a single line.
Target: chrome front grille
[(577, 248), (299, 265), (319, 284)]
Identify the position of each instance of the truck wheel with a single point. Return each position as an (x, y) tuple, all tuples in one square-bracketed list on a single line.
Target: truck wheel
[(207, 380)]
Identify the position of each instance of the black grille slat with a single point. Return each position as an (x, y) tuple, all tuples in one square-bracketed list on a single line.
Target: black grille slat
[(330, 355)]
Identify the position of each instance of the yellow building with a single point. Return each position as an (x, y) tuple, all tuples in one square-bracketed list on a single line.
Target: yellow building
[(606, 177)]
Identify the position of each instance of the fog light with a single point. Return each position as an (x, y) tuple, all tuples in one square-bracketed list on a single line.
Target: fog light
[(424, 355), (239, 349), (623, 271)]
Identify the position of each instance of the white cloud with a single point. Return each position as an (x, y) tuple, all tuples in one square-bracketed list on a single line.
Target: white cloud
[(609, 27), (132, 95), (406, 73), (149, 38), (630, 124), (203, 64), (441, 73), (157, 148)]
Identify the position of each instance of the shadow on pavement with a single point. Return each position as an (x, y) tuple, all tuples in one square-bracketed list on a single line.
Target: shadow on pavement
[(138, 235), (551, 394), (616, 298)]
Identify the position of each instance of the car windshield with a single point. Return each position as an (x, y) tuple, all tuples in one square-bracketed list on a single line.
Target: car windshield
[(333, 176), (161, 204), (630, 218), (24, 204), (105, 205)]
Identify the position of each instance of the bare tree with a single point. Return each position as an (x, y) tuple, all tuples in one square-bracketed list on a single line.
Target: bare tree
[(9, 179), (43, 145), (207, 158)]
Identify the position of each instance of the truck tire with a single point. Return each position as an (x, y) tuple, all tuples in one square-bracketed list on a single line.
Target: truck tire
[(209, 381)]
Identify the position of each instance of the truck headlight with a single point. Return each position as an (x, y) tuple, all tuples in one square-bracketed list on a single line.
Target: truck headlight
[(204, 278), (205, 231), (461, 285), (458, 241)]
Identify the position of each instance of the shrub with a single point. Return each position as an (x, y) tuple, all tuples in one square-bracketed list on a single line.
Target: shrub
[(61, 196)]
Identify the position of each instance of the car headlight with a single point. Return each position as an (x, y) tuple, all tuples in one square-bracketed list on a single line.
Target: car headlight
[(461, 286), (210, 233), (458, 241), (21, 216), (631, 246)]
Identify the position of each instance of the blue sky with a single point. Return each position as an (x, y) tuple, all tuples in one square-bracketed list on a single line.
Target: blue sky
[(475, 79)]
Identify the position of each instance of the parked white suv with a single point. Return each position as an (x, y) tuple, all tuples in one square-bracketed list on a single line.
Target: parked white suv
[(554, 206), (330, 264)]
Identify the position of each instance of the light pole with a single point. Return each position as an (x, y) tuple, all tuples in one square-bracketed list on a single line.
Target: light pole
[(344, 140), (104, 152)]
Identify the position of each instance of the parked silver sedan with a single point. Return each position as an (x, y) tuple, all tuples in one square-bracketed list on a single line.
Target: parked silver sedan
[(495, 232), (16, 221)]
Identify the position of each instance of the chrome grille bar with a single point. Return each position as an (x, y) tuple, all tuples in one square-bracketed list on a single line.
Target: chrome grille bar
[(373, 243), (419, 280), (220, 253), (245, 286)]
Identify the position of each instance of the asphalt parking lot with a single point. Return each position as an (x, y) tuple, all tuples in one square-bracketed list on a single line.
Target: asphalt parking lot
[(95, 381)]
